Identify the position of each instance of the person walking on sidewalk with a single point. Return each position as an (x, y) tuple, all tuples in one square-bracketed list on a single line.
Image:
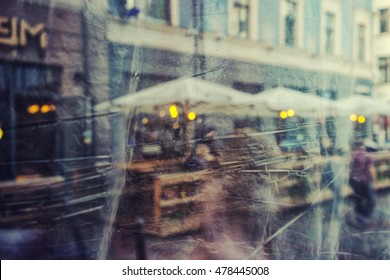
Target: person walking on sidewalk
[(361, 179)]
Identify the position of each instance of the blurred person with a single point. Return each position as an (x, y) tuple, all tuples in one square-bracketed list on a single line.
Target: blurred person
[(201, 158), (167, 141), (209, 139), (327, 150), (150, 135), (362, 176)]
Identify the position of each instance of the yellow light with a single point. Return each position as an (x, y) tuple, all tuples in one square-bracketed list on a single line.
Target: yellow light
[(162, 113), (283, 114), (361, 119), (33, 109), (191, 116), (1, 133), (176, 125), (145, 121), (45, 109), (87, 140), (52, 108), (290, 113), (87, 137), (172, 108), (173, 111), (353, 118)]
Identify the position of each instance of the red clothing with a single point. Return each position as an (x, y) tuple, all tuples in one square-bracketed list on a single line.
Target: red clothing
[(359, 167)]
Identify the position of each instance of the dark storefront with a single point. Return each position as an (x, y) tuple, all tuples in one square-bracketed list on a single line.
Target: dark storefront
[(29, 95), (41, 62), (56, 190)]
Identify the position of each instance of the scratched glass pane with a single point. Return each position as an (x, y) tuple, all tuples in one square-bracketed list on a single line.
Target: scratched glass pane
[(194, 129)]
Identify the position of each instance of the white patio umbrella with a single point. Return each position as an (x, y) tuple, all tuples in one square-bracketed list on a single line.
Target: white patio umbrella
[(192, 94), (192, 91), (363, 105), (281, 98)]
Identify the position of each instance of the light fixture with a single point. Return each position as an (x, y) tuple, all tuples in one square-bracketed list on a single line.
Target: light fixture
[(45, 109), (162, 113), (87, 137), (290, 113), (353, 117), (33, 109), (361, 119), (191, 116), (176, 125), (52, 108), (283, 115), (173, 111)]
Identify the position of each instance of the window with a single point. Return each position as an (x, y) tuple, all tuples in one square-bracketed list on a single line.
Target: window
[(327, 94), (384, 20), (329, 33), (252, 88), (384, 69), (152, 9), (158, 9), (240, 19), (361, 42), (291, 24), (117, 7)]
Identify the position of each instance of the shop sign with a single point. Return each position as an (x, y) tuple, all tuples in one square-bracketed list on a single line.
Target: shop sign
[(15, 32)]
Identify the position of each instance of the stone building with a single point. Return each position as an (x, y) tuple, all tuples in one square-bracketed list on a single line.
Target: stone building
[(319, 47), (53, 68), (381, 50), (58, 185)]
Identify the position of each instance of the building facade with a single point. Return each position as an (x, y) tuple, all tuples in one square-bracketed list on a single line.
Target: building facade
[(382, 50), (51, 73), (55, 152), (320, 47)]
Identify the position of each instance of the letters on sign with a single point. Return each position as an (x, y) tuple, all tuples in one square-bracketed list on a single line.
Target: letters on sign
[(14, 32)]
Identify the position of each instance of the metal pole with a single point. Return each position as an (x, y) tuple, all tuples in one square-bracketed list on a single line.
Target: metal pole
[(13, 122), (198, 60), (140, 239)]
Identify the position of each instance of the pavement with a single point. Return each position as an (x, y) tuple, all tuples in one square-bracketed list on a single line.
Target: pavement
[(311, 233)]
